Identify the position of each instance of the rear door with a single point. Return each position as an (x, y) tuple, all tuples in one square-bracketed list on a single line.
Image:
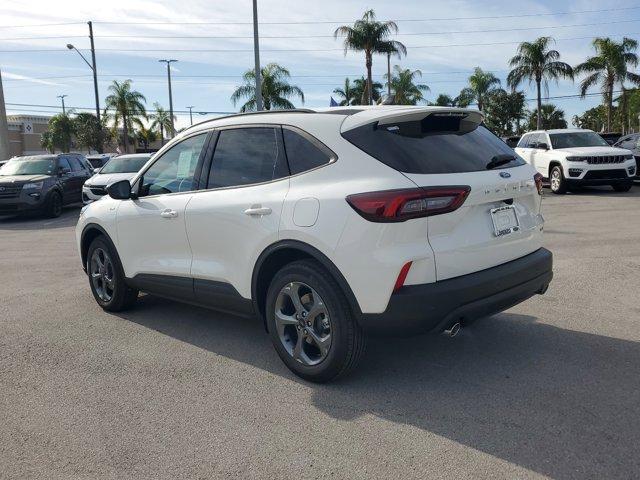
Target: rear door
[(500, 219), (238, 214), (67, 179)]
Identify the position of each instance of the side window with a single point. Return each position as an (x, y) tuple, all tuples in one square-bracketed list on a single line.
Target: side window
[(247, 155), (534, 139), (174, 170), (524, 141), (63, 163), (76, 165), (303, 153)]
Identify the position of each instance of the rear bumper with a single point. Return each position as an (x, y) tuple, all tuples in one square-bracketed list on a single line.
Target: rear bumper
[(436, 306)]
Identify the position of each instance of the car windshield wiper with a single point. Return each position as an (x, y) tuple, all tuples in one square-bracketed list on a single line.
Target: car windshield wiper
[(498, 160)]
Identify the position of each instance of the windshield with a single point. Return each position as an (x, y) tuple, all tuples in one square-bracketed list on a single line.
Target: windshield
[(29, 166), (125, 164), (577, 139), (435, 144)]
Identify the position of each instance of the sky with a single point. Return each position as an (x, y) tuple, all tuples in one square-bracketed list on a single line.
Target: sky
[(445, 41)]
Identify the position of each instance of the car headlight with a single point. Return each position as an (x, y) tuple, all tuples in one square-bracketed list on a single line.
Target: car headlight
[(33, 186), (575, 159), (628, 157)]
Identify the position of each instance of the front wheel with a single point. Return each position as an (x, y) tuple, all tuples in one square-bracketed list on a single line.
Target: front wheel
[(622, 187), (311, 324), (557, 181), (53, 208), (106, 277)]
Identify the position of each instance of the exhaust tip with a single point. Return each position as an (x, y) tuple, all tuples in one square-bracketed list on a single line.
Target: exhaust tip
[(453, 330)]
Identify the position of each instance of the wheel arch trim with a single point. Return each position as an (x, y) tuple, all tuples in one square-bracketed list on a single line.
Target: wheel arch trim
[(84, 246)]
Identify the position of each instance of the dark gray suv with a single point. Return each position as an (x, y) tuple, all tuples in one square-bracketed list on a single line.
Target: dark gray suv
[(42, 183)]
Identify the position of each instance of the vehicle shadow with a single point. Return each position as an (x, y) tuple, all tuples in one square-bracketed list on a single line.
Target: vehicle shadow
[(561, 403), (598, 191), (68, 218)]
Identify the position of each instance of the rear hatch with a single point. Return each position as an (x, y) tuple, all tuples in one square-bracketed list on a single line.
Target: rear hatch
[(500, 219)]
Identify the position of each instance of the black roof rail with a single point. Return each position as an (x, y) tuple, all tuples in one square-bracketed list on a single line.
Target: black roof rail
[(244, 114)]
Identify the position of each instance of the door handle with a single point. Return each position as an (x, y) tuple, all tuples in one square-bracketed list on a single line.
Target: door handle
[(168, 213), (257, 210)]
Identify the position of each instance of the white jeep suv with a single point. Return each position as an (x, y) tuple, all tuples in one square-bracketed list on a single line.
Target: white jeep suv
[(574, 157), (329, 225)]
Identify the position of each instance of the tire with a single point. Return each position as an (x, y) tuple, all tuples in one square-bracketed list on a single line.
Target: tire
[(108, 282), (53, 209), (622, 187), (556, 180), (296, 340)]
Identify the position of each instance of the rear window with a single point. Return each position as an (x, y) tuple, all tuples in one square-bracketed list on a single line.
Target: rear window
[(435, 144)]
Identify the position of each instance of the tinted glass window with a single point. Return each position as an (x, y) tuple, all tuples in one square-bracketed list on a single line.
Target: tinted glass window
[(174, 170), (577, 139), (63, 162), (76, 165), (125, 164), (302, 153), (247, 155), (436, 144), (524, 141)]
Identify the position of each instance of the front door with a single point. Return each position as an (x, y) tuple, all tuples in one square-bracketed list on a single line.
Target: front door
[(152, 239)]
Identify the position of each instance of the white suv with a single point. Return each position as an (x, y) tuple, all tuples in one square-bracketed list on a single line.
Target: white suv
[(329, 225), (121, 167), (574, 157)]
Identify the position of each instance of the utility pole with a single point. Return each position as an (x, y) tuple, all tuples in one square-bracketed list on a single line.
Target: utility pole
[(95, 71), (190, 115), (4, 128), (168, 62), (61, 97), (256, 53)]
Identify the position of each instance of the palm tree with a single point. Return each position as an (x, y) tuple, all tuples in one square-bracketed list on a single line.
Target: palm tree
[(481, 84), (370, 36), (161, 121), (391, 49), (145, 136), (552, 117), (275, 89), (346, 93), (536, 63), (361, 92), (609, 67), (444, 100), (406, 92), (128, 106)]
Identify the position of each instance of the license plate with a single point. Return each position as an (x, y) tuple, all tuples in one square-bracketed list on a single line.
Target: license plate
[(505, 220)]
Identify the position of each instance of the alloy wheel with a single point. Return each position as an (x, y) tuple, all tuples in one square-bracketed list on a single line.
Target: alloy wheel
[(555, 180), (303, 323), (102, 274)]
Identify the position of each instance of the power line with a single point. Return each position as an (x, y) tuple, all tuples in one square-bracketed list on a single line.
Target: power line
[(229, 37), (275, 50)]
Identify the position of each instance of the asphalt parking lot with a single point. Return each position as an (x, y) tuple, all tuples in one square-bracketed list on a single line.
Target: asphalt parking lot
[(550, 388)]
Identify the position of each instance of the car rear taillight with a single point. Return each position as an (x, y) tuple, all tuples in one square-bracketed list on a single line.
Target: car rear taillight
[(401, 205), (538, 179)]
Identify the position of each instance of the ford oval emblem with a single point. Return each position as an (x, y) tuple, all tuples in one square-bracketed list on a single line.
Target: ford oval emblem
[(505, 174)]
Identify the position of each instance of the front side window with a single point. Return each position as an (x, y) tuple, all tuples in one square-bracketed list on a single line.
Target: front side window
[(304, 154), (64, 164), (76, 164), (245, 156), (174, 171), (524, 141), (577, 139)]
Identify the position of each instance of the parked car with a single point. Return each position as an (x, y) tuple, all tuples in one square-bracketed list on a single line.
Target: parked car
[(42, 183), (123, 167), (512, 141), (99, 160), (2, 162), (330, 225), (577, 157), (632, 143), (611, 137)]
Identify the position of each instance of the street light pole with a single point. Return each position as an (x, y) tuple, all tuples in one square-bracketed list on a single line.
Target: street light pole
[(168, 62), (95, 71), (61, 97), (190, 115), (256, 53)]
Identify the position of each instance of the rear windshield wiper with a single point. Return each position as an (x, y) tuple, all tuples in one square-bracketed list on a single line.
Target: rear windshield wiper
[(498, 160)]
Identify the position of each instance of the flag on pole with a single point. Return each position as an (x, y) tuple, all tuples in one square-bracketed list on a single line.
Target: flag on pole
[(333, 103)]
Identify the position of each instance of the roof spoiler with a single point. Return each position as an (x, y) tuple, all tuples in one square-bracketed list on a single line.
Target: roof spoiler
[(384, 116)]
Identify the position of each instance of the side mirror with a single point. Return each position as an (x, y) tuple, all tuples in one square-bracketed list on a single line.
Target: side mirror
[(63, 171), (96, 170), (120, 190), (542, 146)]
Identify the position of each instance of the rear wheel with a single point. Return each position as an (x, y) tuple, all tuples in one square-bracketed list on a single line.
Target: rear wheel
[(557, 181), (310, 323), (106, 277), (53, 208), (622, 187)]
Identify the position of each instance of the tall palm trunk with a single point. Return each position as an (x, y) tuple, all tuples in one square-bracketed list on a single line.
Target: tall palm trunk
[(369, 78), (609, 104), (539, 115), (480, 101), (126, 133), (389, 74), (161, 135)]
